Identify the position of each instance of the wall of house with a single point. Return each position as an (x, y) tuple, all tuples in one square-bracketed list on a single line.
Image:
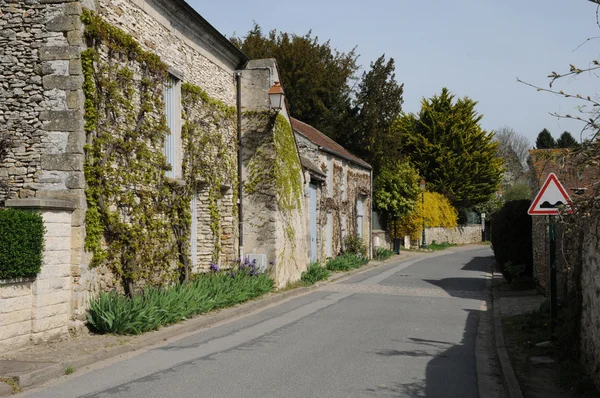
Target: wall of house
[(39, 309), (333, 200), (267, 226)]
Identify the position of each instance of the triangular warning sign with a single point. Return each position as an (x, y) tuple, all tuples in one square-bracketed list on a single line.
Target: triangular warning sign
[(550, 198)]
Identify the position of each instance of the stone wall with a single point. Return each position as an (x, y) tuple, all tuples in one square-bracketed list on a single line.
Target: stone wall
[(39, 309), (460, 235), (590, 288)]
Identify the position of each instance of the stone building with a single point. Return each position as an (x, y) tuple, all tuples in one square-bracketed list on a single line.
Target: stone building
[(339, 195), (123, 121)]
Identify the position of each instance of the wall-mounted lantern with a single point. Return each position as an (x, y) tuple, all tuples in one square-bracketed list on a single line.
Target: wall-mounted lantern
[(276, 96)]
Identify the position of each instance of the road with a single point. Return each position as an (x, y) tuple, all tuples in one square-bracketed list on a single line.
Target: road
[(404, 329)]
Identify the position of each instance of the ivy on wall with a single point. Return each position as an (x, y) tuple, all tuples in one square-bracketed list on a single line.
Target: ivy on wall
[(138, 220)]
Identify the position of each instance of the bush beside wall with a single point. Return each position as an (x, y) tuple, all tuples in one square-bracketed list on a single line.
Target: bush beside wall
[(21, 243)]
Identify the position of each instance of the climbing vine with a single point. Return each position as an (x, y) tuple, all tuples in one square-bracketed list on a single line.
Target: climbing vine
[(138, 220), (209, 151)]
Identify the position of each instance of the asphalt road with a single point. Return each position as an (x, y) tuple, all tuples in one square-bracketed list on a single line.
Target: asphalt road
[(406, 329)]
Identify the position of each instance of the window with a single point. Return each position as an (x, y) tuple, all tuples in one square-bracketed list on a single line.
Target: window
[(172, 98), (329, 176), (344, 182), (359, 216)]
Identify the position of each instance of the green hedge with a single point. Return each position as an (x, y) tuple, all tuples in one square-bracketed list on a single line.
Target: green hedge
[(21, 243), (511, 237)]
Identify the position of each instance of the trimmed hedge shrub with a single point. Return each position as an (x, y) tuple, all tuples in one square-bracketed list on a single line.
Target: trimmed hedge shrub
[(21, 243), (511, 237)]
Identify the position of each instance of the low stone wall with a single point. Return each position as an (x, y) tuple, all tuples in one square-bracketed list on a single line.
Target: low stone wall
[(39, 309), (462, 234), (381, 239)]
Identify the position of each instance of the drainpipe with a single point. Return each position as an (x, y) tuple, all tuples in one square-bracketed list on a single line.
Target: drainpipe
[(238, 80)]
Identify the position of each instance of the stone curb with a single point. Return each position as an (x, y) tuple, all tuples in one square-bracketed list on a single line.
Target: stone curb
[(510, 379), (42, 375)]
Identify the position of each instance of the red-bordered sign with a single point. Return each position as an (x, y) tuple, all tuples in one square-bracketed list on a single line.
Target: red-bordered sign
[(550, 198)]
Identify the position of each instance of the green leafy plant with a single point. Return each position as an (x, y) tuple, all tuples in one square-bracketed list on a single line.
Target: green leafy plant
[(69, 370), (381, 253), (439, 246), (353, 244), (346, 262), (21, 243), (315, 272), (155, 307)]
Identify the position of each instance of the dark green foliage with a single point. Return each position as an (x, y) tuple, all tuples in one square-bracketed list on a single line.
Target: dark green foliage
[(381, 253), (315, 272), (448, 147), (346, 262), (545, 140), (566, 140), (5, 145), (518, 191), (353, 244), (21, 243), (378, 104), (511, 237), (317, 79), (156, 307)]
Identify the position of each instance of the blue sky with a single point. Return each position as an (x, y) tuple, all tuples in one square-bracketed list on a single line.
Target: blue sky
[(476, 48)]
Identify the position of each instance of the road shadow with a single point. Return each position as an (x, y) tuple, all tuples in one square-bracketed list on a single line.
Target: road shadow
[(477, 264), (450, 373), (467, 288)]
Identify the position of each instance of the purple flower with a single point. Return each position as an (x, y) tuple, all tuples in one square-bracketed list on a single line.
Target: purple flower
[(231, 274), (272, 262), (214, 267)]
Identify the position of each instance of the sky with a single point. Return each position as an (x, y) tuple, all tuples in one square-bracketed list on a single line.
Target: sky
[(475, 48)]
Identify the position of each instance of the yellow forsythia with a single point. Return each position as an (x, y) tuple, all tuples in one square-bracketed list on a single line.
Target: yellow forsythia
[(439, 212)]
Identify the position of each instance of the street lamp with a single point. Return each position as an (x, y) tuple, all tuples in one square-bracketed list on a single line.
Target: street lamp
[(276, 96), (422, 185)]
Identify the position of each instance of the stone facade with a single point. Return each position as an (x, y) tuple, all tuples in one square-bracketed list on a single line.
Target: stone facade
[(39, 309), (342, 198), (267, 227)]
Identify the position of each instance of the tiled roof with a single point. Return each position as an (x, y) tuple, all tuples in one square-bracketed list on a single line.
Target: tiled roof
[(329, 145), (557, 161)]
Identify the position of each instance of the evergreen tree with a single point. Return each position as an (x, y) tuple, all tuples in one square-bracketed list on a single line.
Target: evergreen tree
[(566, 140), (317, 79), (378, 104), (545, 140), (448, 147)]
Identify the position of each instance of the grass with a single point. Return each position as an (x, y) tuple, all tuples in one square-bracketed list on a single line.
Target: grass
[(381, 253), (439, 246), (314, 273), (69, 370), (346, 262), (155, 307)]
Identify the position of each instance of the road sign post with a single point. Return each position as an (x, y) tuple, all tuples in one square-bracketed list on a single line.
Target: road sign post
[(549, 201)]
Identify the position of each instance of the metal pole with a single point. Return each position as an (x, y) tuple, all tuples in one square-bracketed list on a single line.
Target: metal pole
[(423, 215), (552, 261)]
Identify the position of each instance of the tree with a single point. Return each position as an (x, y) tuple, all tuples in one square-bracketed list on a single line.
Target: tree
[(518, 191), (566, 140), (317, 79), (396, 189), (545, 140), (448, 147), (378, 104), (513, 148)]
